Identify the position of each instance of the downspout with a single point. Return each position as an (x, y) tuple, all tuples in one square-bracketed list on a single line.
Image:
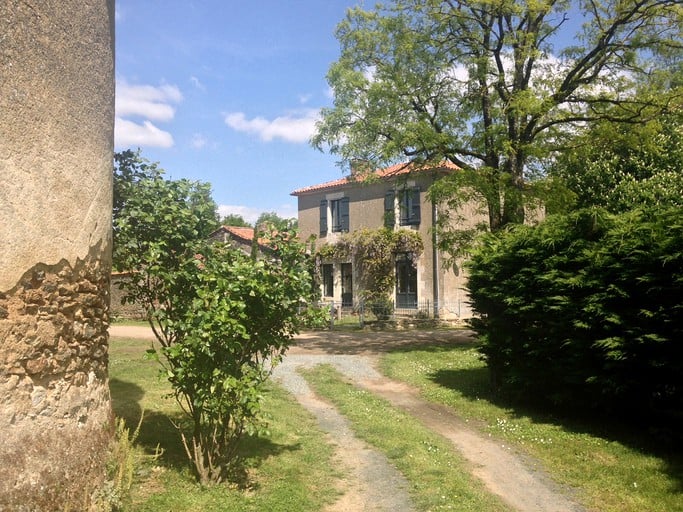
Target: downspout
[(435, 262)]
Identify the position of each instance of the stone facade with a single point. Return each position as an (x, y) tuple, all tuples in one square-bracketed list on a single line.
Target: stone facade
[(367, 209), (56, 149)]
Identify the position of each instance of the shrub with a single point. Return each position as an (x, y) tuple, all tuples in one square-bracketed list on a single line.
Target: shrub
[(585, 309)]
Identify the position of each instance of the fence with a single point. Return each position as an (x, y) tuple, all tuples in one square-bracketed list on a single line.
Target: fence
[(364, 312)]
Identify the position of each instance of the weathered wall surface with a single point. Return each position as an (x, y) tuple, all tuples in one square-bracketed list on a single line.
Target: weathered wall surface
[(56, 141)]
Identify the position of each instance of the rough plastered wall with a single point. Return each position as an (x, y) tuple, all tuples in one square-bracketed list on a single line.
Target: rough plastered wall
[(56, 140)]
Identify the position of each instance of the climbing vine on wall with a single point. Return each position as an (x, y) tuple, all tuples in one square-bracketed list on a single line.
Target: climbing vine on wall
[(372, 252)]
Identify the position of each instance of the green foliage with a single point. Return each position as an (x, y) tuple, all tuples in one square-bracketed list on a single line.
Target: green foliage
[(231, 319), (124, 459), (234, 219), (154, 218), (611, 466), (129, 168), (221, 317), (625, 167), (585, 309), (372, 253), (274, 221), (480, 84), (291, 469)]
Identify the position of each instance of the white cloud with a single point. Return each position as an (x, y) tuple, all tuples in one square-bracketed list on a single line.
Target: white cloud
[(295, 129), (144, 103), (197, 83), (147, 101), (249, 214), (288, 211), (304, 98), (131, 134), (198, 141)]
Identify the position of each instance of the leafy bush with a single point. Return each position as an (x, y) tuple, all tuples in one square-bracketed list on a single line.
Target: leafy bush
[(585, 309), (382, 308), (221, 317)]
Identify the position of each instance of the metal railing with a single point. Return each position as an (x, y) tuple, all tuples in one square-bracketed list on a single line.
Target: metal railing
[(362, 313)]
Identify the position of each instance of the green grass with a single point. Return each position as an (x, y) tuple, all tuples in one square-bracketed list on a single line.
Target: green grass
[(438, 476), (289, 470), (613, 468)]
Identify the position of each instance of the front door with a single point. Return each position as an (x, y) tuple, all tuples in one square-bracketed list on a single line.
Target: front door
[(347, 285), (406, 283)]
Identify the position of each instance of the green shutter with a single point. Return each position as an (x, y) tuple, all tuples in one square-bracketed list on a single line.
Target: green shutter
[(344, 214), (323, 217), (415, 206), (389, 213)]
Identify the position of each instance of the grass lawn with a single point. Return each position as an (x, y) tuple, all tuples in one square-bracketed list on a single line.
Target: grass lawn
[(614, 468), (289, 471)]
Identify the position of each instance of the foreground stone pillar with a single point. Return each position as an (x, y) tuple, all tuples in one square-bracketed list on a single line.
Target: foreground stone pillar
[(56, 142)]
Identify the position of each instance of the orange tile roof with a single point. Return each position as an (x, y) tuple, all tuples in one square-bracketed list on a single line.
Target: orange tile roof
[(385, 173), (246, 234)]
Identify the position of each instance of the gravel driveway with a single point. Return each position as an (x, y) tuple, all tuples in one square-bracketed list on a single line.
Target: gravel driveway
[(377, 486)]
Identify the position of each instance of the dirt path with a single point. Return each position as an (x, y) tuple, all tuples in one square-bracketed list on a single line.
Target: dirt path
[(374, 485)]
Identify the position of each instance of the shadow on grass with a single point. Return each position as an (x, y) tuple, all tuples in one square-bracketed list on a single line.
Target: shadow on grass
[(355, 341), (474, 384), (159, 433)]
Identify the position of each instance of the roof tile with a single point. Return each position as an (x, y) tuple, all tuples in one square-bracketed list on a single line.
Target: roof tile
[(384, 173)]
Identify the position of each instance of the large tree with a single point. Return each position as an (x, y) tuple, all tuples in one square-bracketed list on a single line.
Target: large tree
[(625, 167), (236, 220), (488, 86)]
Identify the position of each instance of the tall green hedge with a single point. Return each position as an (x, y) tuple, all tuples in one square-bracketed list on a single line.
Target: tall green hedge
[(586, 310)]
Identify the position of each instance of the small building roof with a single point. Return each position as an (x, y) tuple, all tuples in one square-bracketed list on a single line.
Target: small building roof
[(385, 173), (242, 235)]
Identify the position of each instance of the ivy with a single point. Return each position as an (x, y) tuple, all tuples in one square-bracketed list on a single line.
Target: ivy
[(372, 253)]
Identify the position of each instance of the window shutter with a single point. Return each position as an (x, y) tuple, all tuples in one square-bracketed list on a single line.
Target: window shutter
[(323, 217), (389, 213), (415, 206), (344, 213)]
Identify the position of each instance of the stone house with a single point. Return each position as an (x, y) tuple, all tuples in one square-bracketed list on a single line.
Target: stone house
[(395, 197)]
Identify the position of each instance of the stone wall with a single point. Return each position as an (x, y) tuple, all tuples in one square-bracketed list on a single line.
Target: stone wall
[(118, 309), (54, 396), (56, 143)]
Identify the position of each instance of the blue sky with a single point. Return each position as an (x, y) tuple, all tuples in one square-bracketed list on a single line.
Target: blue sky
[(226, 92)]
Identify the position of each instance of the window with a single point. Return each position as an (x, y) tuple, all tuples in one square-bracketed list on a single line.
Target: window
[(409, 205), (328, 280), (406, 282), (347, 285), (339, 213)]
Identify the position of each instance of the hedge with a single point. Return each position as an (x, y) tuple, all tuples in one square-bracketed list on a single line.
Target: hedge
[(585, 310)]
